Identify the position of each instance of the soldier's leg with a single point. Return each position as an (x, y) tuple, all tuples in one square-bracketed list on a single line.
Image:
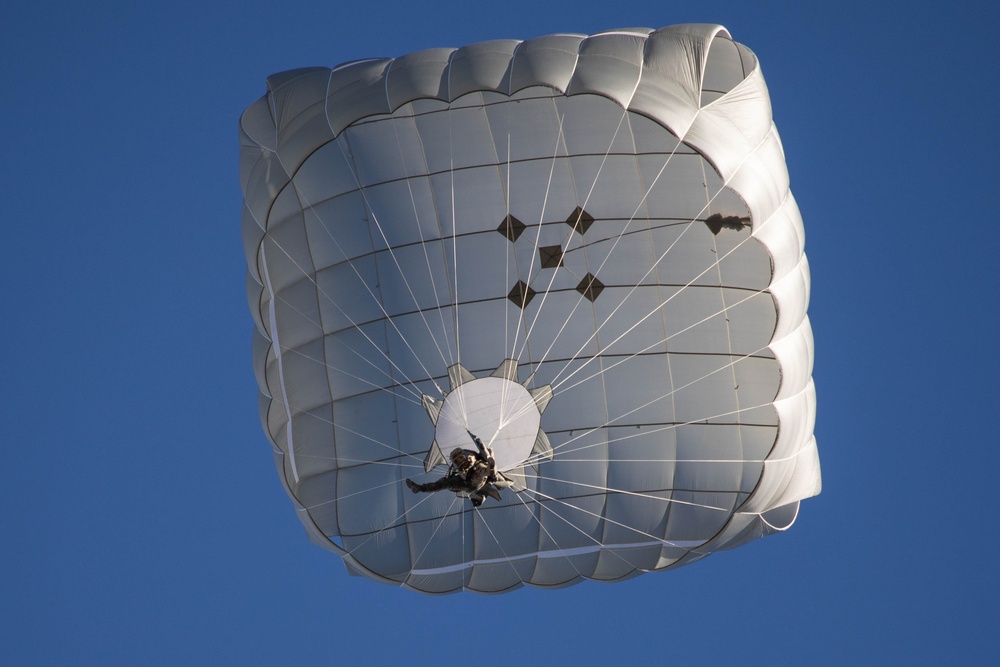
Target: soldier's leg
[(501, 481), (443, 483)]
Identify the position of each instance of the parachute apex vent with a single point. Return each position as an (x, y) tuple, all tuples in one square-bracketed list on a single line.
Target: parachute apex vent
[(502, 412)]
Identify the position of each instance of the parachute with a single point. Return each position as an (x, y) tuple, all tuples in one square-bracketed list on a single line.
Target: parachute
[(582, 249)]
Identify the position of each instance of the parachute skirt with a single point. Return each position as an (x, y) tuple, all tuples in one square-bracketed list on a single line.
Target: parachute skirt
[(582, 249)]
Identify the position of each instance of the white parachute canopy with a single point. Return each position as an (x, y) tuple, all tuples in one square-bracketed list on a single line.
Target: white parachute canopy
[(583, 250)]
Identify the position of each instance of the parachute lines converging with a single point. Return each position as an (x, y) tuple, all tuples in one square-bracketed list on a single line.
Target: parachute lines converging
[(582, 249)]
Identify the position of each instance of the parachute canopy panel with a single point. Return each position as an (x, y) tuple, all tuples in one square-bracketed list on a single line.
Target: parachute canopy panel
[(582, 249)]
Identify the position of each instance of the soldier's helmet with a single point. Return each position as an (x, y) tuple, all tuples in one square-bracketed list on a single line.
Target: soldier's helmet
[(461, 459)]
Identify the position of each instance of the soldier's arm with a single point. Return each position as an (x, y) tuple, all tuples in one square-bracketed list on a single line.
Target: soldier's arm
[(479, 444)]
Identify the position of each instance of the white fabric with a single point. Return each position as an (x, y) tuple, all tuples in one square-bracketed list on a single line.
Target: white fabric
[(380, 254)]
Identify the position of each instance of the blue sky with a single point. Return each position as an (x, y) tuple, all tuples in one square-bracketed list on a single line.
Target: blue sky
[(143, 520)]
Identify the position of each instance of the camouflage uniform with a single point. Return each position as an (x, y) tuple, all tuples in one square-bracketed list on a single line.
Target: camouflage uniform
[(470, 473)]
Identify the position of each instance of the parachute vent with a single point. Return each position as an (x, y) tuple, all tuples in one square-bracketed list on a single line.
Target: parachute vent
[(551, 256), (521, 294), (512, 228), (590, 287), (580, 220)]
